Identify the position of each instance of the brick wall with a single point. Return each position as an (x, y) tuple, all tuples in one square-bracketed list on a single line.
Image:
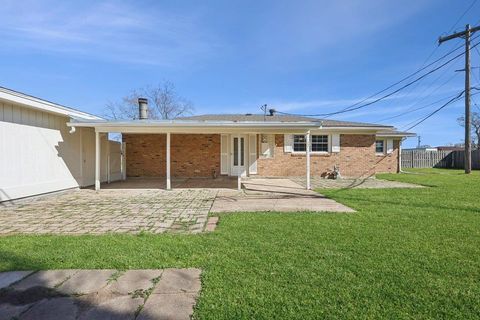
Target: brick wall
[(388, 163), (192, 155), (356, 159)]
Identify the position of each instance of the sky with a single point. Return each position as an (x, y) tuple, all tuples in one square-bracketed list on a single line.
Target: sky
[(301, 57)]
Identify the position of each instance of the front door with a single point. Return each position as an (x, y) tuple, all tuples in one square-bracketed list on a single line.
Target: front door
[(237, 155)]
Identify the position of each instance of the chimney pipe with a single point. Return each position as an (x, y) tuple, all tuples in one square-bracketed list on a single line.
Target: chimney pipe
[(142, 108)]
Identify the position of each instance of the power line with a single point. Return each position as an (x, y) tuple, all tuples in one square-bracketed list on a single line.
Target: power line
[(356, 106), (456, 98), (463, 15), (414, 110), (413, 105), (384, 96)]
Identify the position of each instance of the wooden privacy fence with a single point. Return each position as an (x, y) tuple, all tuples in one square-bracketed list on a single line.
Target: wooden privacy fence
[(438, 159)]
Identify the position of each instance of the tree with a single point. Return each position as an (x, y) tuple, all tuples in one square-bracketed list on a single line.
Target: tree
[(475, 125), (163, 103)]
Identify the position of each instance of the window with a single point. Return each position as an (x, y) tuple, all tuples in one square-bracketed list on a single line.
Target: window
[(319, 143), (299, 143), (380, 146)]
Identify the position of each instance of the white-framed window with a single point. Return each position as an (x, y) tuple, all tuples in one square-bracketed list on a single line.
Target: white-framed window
[(380, 146), (319, 143), (299, 143)]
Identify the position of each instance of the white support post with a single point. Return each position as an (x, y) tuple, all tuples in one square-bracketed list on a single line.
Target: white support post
[(169, 186), (97, 160), (308, 147), (108, 159)]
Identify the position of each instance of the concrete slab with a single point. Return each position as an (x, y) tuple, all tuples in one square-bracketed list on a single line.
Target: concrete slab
[(86, 281), (101, 294), (179, 281), (7, 278), (46, 278), (10, 311), (274, 195), (59, 308), (120, 308), (133, 280), (168, 306)]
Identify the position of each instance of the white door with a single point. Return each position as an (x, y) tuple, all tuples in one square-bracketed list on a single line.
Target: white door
[(238, 155)]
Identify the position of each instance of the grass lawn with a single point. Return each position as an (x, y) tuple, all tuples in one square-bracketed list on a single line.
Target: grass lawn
[(406, 253)]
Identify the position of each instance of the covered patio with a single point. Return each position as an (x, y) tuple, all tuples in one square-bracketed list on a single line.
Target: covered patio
[(237, 147)]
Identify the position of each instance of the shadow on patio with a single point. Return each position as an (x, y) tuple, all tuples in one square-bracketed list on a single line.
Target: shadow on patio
[(177, 183)]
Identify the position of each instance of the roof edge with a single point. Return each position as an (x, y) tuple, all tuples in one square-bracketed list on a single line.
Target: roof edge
[(44, 105)]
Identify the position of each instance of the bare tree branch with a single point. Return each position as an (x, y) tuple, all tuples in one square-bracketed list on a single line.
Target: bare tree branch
[(475, 124), (164, 103)]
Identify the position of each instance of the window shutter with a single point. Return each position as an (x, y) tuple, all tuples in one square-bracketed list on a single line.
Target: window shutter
[(224, 154), (389, 146), (252, 146), (335, 142), (288, 143)]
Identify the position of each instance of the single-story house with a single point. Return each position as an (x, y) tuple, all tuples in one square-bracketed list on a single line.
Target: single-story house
[(251, 145), (40, 154), (47, 147)]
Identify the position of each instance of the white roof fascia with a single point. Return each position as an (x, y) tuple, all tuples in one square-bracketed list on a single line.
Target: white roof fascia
[(42, 105), (396, 135)]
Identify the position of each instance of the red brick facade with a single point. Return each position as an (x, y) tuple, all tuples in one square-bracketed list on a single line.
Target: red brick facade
[(192, 155), (198, 155), (356, 158)]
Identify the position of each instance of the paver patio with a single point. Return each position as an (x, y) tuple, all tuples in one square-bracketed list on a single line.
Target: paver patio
[(120, 211), (99, 294), (138, 205)]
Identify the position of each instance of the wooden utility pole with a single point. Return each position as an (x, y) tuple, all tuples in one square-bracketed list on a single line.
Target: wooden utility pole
[(468, 144)]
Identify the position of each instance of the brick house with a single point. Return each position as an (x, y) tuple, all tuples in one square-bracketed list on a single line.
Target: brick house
[(252, 145)]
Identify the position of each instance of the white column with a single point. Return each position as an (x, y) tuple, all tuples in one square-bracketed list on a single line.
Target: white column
[(169, 186), (97, 160), (108, 159), (308, 147)]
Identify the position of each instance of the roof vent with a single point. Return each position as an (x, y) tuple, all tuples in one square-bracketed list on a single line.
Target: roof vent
[(272, 112), (142, 108)]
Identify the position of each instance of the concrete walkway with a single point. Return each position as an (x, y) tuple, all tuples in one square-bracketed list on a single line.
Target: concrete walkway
[(99, 294), (274, 195)]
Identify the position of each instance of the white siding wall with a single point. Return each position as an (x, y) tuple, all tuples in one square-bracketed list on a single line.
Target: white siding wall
[(39, 155)]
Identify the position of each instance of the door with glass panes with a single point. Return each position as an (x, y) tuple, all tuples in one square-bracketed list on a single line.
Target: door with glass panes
[(237, 155)]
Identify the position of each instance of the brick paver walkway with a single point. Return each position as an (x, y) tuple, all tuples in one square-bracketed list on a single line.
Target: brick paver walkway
[(119, 211), (99, 294)]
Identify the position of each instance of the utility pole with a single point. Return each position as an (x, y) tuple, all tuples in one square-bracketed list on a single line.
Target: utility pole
[(419, 139), (466, 35)]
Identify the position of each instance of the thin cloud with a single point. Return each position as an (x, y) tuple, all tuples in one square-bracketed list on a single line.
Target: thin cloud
[(107, 30)]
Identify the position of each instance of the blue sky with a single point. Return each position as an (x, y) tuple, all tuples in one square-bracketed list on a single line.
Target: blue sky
[(233, 56)]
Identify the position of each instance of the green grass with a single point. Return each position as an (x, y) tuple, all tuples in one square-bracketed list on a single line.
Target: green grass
[(406, 253)]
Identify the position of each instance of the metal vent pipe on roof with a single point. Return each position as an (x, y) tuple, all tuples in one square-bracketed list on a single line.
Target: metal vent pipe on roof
[(142, 108)]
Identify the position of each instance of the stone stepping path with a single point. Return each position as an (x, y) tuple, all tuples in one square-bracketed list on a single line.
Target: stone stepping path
[(99, 294)]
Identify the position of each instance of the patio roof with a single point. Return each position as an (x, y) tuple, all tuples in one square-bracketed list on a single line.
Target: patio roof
[(225, 126)]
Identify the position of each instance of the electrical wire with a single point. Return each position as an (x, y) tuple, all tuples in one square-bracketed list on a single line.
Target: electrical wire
[(463, 15), (454, 99), (411, 107), (356, 106)]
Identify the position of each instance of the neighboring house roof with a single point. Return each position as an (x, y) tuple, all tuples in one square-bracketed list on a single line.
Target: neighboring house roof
[(279, 118), (44, 105)]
